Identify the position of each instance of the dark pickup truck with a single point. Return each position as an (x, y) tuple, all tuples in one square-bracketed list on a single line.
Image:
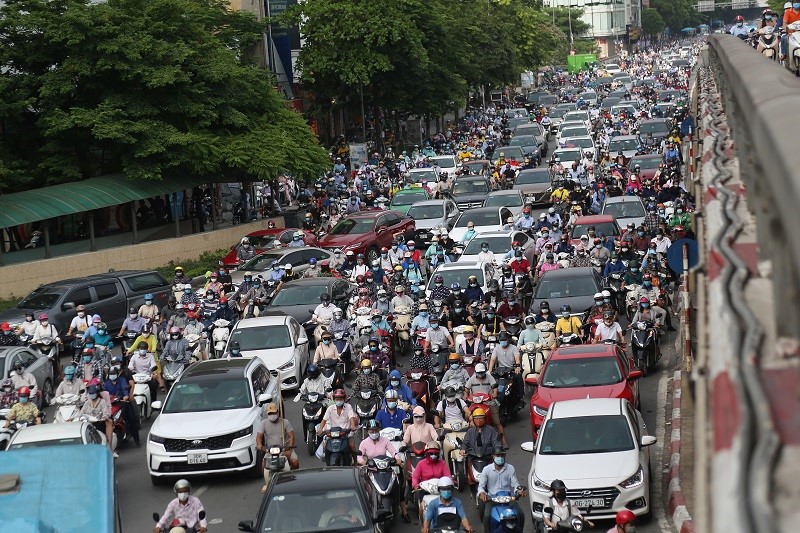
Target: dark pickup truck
[(109, 295)]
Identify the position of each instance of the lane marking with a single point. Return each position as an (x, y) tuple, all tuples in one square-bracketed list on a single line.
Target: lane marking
[(201, 490)]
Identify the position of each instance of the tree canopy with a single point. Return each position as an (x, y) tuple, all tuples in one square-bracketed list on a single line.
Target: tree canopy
[(652, 22), (677, 14), (150, 88)]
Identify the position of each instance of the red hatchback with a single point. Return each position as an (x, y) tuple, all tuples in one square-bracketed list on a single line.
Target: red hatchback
[(604, 224), (267, 239), (585, 371)]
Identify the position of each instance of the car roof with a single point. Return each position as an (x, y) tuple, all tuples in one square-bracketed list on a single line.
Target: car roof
[(583, 351), (505, 192), (622, 199), (587, 407), (645, 157), (269, 319), (421, 169), (217, 366), (459, 265), (622, 138), (270, 231), (496, 233), (368, 214), (324, 281), (48, 432), (651, 120), (573, 272), (475, 210), (593, 219), (432, 201), (92, 277), (470, 178), (316, 479)]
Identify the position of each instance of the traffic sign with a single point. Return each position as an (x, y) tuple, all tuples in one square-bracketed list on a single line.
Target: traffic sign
[(675, 254)]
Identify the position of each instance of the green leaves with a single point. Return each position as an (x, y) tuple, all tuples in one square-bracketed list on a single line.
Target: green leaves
[(149, 87), (652, 22)]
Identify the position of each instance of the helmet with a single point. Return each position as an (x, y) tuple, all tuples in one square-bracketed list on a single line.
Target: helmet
[(360, 279), (608, 314), (480, 367), (625, 517), (69, 371), (498, 449), (456, 286), (606, 294), (373, 424), (313, 371), (42, 317), (366, 363), (529, 320), (181, 484), (598, 296), (133, 310), (445, 482), (178, 269), (339, 393), (453, 358), (324, 297), (312, 261), (432, 445), (478, 412), (147, 296), (739, 18), (504, 336), (566, 308), (25, 391), (557, 484), (544, 305), (469, 329), (174, 329), (438, 279), (392, 394)]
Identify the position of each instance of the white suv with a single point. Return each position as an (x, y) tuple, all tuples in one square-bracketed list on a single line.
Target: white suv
[(209, 419)]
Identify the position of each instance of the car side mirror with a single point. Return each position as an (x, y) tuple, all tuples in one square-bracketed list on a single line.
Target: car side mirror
[(264, 398), (527, 446), (648, 440), (246, 525), (635, 374), (532, 380), (383, 228), (548, 510), (156, 405), (66, 306)]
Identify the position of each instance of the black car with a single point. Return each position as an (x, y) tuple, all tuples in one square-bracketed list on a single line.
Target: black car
[(659, 127), (319, 499), (575, 287), (469, 192), (297, 297)]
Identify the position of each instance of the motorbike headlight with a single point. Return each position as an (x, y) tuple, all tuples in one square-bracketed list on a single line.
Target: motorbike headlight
[(635, 480), (539, 485), (382, 464), (641, 326), (274, 450), (539, 410), (157, 439)]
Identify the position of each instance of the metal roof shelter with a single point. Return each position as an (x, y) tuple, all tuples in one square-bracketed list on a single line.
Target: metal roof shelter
[(81, 196)]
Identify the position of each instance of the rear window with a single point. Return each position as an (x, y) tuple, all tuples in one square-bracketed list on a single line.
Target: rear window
[(145, 282)]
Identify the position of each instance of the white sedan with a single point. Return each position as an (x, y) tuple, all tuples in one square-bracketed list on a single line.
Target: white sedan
[(79, 432), (599, 448)]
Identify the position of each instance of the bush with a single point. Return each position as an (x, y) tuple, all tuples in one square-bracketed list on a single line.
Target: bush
[(198, 267)]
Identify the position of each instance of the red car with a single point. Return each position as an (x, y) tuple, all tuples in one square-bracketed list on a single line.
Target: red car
[(584, 371), (267, 239), (601, 224), (367, 232)]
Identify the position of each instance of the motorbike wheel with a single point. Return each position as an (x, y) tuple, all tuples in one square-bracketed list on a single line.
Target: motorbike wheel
[(386, 503), (460, 477), (311, 441)]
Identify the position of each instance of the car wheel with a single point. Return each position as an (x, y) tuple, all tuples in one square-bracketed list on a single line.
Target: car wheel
[(47, 392), (373, 254)]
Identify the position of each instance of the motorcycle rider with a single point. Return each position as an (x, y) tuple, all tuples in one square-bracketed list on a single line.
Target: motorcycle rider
[(184, 507), (615, 265), (176, 347), (366, 379), (134, 322), (7, 337), (396, 385), (189, 297), (341, 415), (20, 377), (70, 385), (97, 407), (314, 382), (647, 290), (144, 362), (544, 314), (608, 329), (374, 446), (45, 335), (313, 270), (492, 325), (483, 382), (455, 373), (8, 395), (28, 327), (277, 431), (392, 416), (180, 278), (496, 477), (324, 311), (148, 310), (445, 503), (562, 507), (623, 522), (24, 410), (179, 319), (790, 16), (506, 355), (480, 439), (421, 360), (80, 323), (473, 293), (494, 295), (470, 346), (739, 29), (530, 334), (568, 323), (326, 349), (431, 467), (510, 308), (117, 386), (646, 313)]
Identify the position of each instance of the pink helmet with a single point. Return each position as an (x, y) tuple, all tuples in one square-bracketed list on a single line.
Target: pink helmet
[(43, 316)]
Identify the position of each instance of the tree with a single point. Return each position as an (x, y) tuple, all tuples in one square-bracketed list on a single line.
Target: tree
[(652, 23), (150, 88), (677, 14)]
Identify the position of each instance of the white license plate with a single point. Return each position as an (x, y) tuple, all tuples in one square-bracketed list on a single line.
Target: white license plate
[(198, 458), (594, 502)]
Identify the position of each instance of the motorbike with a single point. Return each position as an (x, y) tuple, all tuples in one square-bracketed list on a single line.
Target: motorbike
[(475, 466), (337, 450), (413, 456), (120, 424), (792, 61), (615, 285), (141, 394), (532, 359), (220, 335), (506, 394), (313, 411), (446, 522), (381, 471), (423, 386), (171, 369), (401, 325), (453, 434), (127, 340), (341, 339), (644, 343), (366, 405), (274, 462), (181, 526), (574, 523), (331, 369), (68, 407), (569, 339), (7, 433), (513, 326), (504, 517), (631, 300)]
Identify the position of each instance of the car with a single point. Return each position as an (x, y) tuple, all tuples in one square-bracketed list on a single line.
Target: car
[(306, 500), (209, 419), (530, 145), (431, 214), (35, 363), (267, 239), (499, 244), (628, 109), (575, 287), (445, 163), (79, 432), (589, 370), (367, 232), (534, 97), (297, 257), (612, 68), (513, 122), (296, 298), (535, 184), (416, 177), (590, 97), (477, 167), (568, 155), (556, 118), (625, 209), (624, 81), (534, 128), (609, 102), (586, 144), (470, 191), (670, 95), (548, 101), (659, 127), (627, 144), (460, 272), (510, 153), (484, 219), (279, 341), (667, 108), (512, 199), (648, 165), (567, 131), (582, 116), (599, 448), (603, 224), (402, 199)]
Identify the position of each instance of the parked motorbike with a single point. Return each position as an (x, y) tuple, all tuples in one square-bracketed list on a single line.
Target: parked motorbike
[(644, 343), (220, 335)]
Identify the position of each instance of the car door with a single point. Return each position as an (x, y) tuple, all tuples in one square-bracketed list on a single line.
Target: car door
[(300, 341), (505, 213), (110, 303), (74, 298), (297, 260)]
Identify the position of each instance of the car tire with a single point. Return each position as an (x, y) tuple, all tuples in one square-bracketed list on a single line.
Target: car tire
[(157, 481)]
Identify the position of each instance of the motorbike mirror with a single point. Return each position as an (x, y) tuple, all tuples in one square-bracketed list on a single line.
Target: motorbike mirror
[(532, 380), (246, 525), (66, 306), (156, 517), (201, 515), (399, 365), (156, 405), (264, 398), (548, 510), (635, 374), (527, 446), (648, 440)]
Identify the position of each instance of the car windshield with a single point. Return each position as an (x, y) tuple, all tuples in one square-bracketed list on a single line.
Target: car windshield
[(39, 299), (609, 101), (653, 127), (648, 163), (503, 200), (572, 154), (263, 261), (446, 161), (571, 131), (563, 287), (480, 218), (262, 337), (428, 175), (509, 152), (458, 275), (51, 442), (557, 113), (548, 100), (528, 178), (617, 145), (498, 245), (588, 372), (408, 197), (353, 226), (208, 393), (578, 142), (586, 434), (476, 167), (624, 209), (523, 140), (295, 512), (603, 227), (424, 212), (577, 115), (470, 187), (291, 294)]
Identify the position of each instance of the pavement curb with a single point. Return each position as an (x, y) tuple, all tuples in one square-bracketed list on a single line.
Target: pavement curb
[(676, 504)]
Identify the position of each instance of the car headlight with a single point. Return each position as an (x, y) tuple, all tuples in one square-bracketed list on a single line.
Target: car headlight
[(287, 365), (539, 410), (635, 480), (354, 245), (157, 439), (242, 433), (539, 485)]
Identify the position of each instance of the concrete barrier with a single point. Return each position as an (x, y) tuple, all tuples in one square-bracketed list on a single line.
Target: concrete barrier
[(19, 279)]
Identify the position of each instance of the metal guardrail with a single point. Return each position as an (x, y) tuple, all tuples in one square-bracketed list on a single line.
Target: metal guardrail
[(762, 103)]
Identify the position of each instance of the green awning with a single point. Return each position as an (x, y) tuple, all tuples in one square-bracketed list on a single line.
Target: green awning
[(78, 197)]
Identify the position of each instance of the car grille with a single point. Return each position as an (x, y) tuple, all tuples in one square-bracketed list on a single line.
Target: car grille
[(219, 442), (463, 206), (609, 494), (212, 464)]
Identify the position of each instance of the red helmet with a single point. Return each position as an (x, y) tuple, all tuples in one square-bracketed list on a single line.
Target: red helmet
[(739, 18), (223, 299), (24, 391), (360, 279), (625, 517)]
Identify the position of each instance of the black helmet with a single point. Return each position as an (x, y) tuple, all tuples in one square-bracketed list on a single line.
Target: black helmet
[(313, 371), (557, 484), (324, 297), (373, 424), (418, 348), (504, 336), (498, 449), (493, 285), (529, 320), (544, 305), (133, 311), (608, 314), (566, 308)]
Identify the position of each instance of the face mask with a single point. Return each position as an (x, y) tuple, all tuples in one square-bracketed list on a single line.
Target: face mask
[(640, 233), (455, 366), (24, 399), (113, 377), (273, 417), (374, 436), (101, 331), (473, 284), (634, 269), (81, 314), (44, 322), (499, 461), (446, 494), (276, 268), (69, 377), (326, 341), (435, 325), (29, 318), (367, 371), (174, 337), (740, 24), (423, 314), (795, 5), (235, 351), (9, 332), (433, 457), (339, 403), (92, 395), (646, 283), (480, 375), (87, 358), (183, 496), (373, 348), (391, 405), (142, 352), (394, 247), (679, 211), (504, 344), (489, 315)]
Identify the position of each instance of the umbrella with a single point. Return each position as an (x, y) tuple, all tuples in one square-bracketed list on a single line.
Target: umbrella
[(688, 30)]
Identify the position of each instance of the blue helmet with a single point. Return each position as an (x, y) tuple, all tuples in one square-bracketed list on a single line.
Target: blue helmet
[(455, 286), (148, 296), (312, 261), (394, 374)]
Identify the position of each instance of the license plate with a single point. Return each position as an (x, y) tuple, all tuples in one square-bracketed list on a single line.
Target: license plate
[(198, 458), (594, 502)]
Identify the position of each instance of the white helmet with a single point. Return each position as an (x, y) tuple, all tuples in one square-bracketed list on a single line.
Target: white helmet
[(480, 367), (445, 481)]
